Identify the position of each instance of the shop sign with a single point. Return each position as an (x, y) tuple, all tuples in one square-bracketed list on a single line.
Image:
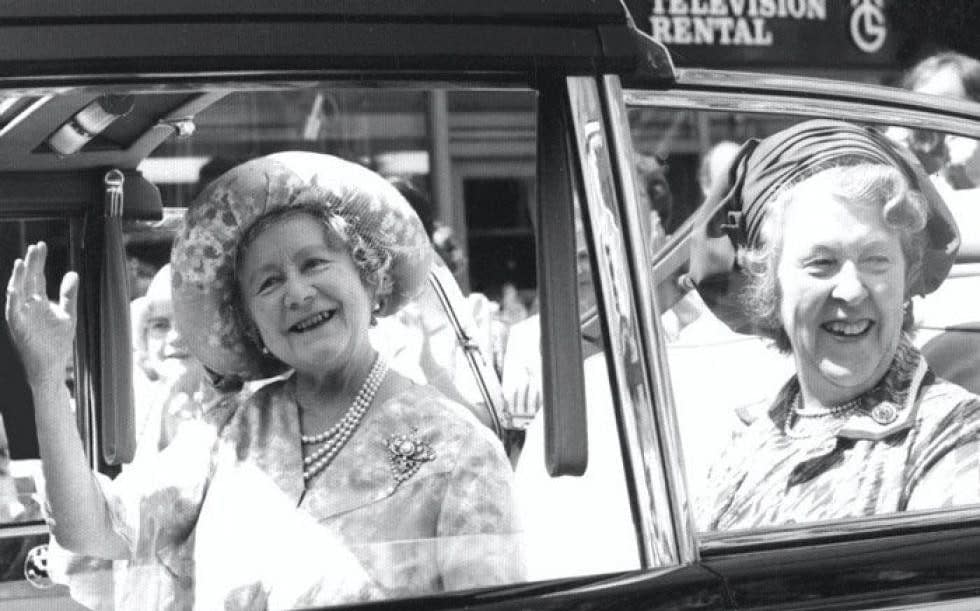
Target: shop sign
[(818, 33)]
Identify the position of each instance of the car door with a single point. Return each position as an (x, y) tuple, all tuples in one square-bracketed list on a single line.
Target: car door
[(718, 380)]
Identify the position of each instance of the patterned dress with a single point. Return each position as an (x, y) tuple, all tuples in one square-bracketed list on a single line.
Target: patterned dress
[(221, 518), (912, 443)]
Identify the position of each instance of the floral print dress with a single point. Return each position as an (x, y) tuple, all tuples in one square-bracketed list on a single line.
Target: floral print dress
[(221, 518), (912, 443)]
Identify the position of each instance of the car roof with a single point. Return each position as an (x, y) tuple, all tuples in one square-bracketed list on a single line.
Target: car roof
[(138, 37), (56, 56)]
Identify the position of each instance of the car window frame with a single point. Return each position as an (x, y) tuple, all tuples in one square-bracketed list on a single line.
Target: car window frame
[(784, 95), (84, 414), (658, 513), (89, 415)]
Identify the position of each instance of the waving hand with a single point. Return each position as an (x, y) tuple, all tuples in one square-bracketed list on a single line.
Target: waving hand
[(42, 330)]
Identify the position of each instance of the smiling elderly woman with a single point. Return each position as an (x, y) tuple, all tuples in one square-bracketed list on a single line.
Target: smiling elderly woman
[(340, 480), (818, 240)]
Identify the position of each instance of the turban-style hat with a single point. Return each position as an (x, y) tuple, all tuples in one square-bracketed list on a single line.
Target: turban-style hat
[(738, 205), (204, 254)]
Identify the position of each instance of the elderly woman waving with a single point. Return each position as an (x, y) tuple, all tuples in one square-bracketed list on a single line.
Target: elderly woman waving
[(338, 481), (818, 239)]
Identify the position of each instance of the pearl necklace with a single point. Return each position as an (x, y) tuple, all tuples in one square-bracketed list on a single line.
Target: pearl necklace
[(334, 438), (836, 410)]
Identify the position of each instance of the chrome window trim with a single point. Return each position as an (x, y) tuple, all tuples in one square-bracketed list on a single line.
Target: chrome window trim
[(639, 441), (768, 103), (821, 87), (14, 530), (814, 532), (48, 84), (664, 416), (963, 604)]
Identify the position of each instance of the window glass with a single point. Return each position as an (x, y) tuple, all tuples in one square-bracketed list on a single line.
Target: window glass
[(20, 469), (770, 435), (21, 480), (462, 510), (554, 507)]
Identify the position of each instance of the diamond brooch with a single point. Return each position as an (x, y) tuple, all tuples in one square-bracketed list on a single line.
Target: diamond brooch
[(406, 453)]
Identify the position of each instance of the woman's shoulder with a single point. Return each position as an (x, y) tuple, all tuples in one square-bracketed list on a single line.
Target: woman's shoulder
[(939, 397), (947, 409), (424, 403), (250, 407)]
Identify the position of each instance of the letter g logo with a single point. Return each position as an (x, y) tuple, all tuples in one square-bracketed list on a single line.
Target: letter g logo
[(868, 30)]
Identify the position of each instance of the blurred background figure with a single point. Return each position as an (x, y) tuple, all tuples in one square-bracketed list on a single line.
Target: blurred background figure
[(714, 163), (418, 341), (443, 240), (681, 305), (141, 274), (655, 195), (169, 385), (953, 161), (11, 507)]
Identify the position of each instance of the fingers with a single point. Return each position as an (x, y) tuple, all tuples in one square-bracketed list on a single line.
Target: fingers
[(15, 288), (36, 285), (69, 294), (27, 283)]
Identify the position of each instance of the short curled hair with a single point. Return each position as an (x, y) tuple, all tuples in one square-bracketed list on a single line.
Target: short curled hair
[(373, 263), (902, 209)]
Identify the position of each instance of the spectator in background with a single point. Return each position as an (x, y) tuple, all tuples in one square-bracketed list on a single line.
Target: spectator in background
[(954, 165), (521, 368), (681, 305), (654, 195), (140, 275), (169, 384), (443, 240), (714, 163), (418, 341), (953, 161)]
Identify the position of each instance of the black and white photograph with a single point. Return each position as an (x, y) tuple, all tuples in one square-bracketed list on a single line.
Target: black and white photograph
[(588, 305)]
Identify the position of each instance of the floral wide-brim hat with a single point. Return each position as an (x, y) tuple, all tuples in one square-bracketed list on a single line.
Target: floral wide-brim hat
[(203, 256)]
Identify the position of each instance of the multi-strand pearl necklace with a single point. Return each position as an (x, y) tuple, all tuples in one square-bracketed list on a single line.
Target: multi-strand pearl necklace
[(334, 438), (836, 410)]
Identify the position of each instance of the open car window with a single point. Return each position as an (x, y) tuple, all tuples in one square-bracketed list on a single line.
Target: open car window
[(466, 160), (479, 213), (727, 385)]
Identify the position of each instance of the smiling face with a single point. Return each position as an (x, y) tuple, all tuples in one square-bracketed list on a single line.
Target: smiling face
[(306, 297), (841, 278), (165, 352)]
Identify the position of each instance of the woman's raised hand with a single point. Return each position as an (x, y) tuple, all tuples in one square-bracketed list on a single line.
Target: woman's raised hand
[(42, 330)]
